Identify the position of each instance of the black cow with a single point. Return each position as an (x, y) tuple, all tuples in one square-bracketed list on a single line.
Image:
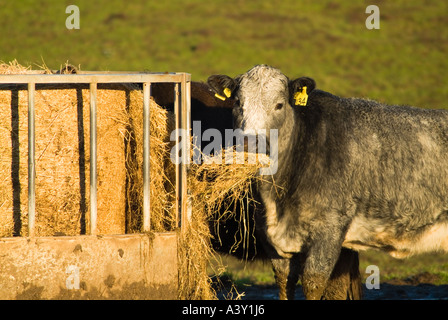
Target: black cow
[(215, 113), (351, 173)]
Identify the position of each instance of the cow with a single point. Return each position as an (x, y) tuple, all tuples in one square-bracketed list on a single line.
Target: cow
[(352, 173), (345, 281), (216, 113)]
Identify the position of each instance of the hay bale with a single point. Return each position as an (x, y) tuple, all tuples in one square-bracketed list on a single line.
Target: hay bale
[(62, 159), (163, 215)]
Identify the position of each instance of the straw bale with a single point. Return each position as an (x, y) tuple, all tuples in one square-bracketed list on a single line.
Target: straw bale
[(162, 170)]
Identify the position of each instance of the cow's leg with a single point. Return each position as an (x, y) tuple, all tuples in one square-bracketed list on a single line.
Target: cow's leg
[(355, 290), (322, 255), (345, 280), (286, 273), (344, 283)]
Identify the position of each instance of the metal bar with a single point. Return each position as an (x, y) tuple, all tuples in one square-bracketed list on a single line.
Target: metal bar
[(146, 155), (93, 160), (90, 78), (185, 124), (188, 104), (188, 116), (178, 166), (31, 160)]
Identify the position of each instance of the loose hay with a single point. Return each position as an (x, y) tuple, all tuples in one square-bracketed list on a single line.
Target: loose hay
[(216, 189)]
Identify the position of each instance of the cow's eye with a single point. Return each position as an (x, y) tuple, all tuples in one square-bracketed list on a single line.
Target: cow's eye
[(279, 106)]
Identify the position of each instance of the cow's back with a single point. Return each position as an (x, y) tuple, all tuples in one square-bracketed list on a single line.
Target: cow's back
[(387, 166)]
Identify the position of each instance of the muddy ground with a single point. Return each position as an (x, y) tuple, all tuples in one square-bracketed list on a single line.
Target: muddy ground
[(386, 292), (418, 287)]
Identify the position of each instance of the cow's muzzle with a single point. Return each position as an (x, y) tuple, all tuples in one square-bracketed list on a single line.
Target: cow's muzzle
[(256, 144)]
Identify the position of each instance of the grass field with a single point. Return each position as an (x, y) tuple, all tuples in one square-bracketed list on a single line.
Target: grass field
[(404, 62)]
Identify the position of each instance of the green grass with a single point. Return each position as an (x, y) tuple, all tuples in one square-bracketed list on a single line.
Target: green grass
[(243, 273), (402, 63), (391, 268), (405, 62)]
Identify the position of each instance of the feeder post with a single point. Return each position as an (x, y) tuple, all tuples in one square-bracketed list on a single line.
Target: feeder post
[(93, 160), (178, 166), (31, 160), (146, 157), (186, 156)]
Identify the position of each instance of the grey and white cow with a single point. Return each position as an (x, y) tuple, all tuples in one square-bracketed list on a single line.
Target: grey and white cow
[(352, 173)]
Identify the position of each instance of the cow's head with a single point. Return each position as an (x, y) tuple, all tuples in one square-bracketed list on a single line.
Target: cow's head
[(264, 102), (264, 98)]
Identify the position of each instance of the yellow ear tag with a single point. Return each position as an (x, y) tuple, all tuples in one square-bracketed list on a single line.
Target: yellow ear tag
[(301, 98), (220, 97), (227, 92)]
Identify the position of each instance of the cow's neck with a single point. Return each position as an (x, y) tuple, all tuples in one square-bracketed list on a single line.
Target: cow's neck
[(275, 192), (288, 140)]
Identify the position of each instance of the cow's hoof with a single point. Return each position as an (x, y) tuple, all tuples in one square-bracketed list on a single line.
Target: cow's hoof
[(314, 286)]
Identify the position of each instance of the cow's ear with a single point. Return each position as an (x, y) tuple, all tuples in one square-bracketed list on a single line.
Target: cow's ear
[(223, 86), (299, 89)]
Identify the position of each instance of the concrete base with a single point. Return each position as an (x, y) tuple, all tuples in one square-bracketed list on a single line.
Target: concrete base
[(133, 266)]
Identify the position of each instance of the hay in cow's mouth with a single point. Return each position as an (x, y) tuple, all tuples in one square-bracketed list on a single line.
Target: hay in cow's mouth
[(216, 190)]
